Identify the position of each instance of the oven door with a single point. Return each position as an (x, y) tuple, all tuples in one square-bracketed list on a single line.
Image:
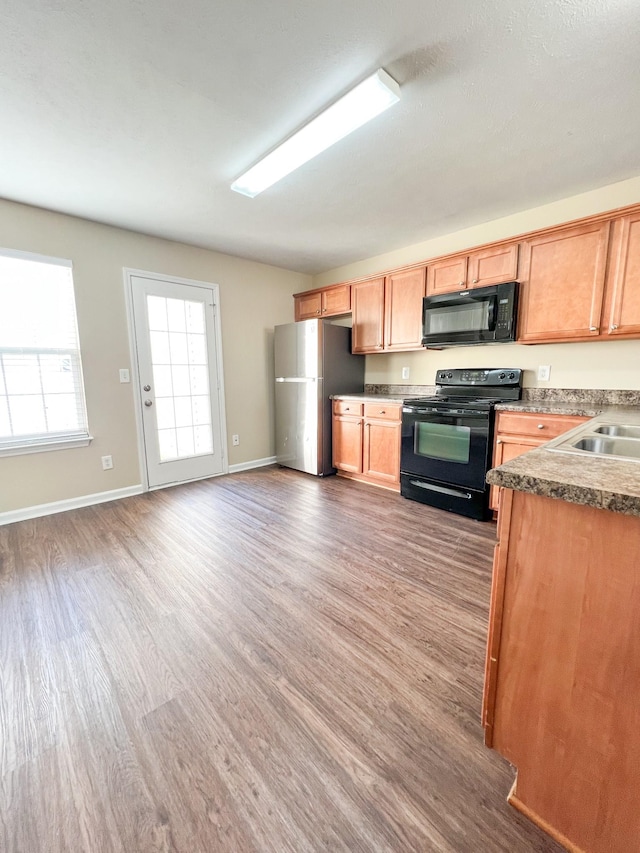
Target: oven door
[(447, 445)]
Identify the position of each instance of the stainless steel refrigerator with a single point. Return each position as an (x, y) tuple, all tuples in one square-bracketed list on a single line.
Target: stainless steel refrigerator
[(313, 360)]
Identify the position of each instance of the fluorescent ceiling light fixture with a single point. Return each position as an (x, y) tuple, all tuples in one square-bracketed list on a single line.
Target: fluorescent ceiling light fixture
[(364, 102)]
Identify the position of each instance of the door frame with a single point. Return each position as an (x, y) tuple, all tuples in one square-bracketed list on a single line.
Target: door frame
[(128, 274)]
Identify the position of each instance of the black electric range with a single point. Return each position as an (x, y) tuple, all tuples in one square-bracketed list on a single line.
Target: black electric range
[(447, 438)]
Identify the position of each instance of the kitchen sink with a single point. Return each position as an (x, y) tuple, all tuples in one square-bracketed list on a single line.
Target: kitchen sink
[(624, 447), (622, 430), (603, 437)]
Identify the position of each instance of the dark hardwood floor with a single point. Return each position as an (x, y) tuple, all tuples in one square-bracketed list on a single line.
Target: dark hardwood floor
[(262, 662)]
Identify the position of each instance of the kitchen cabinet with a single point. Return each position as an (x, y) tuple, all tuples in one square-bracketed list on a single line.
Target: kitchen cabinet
[(579, 281), (387, 312), (562, 278), (562, 687), (367, 303), (623, 283), (326, 302), (492, 265), (347, 436), (518, 432), (366, 441)]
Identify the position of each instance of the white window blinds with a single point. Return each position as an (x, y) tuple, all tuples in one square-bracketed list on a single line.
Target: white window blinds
[(41, 390)]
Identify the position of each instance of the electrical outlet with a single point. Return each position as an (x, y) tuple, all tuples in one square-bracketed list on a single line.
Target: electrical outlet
[(544, 372), (235, 440), (405, 372), (107, 463), (124, 375)]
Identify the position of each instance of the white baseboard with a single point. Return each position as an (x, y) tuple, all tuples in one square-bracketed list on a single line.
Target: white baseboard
[(254, 463), (71, 503)]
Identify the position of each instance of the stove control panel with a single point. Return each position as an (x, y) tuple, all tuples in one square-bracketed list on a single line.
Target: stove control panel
[(483, 376)]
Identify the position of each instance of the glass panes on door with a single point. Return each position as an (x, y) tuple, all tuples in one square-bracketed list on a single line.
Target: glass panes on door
[(181, 377)]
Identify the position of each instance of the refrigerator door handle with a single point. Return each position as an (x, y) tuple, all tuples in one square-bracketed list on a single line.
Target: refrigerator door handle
[(295, 379)]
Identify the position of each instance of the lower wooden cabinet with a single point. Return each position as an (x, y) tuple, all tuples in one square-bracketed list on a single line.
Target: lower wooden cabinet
[(518, 432), (366, 441), (562, 687), (347, 437)]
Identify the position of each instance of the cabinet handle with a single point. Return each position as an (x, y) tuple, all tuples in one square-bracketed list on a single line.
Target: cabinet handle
[(318, 311), (540, 426), (475, 281), (324, 310), (382, 412), (461, 283), (593, 328), (614, 327), (499, 441), (347, 409)]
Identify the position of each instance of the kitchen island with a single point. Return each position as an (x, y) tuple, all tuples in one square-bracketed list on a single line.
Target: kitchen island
[(562, 682)]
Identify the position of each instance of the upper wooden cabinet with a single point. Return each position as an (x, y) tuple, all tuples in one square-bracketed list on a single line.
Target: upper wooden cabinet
[(579, 282), (486, 266), (367, 305), (403, 294), (562, 277), (446, 275), (327, 302), (623, 284), (387, 312)]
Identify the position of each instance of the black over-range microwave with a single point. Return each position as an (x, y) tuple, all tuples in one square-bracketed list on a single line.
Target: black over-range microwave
[(481, 315)]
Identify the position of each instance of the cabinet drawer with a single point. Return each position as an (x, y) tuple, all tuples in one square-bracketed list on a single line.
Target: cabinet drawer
[(347, 407), (544, 427), (382, 411)]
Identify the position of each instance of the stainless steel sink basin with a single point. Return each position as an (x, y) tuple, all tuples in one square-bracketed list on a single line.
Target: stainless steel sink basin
[(621, 430), (628, 448), (604, 436)]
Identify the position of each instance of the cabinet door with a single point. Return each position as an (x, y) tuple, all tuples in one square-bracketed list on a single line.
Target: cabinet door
[(336, 300), (381, 457), (624, 285), (367, 302), (308, 305), (347, 444), (403, 294), (507, 448), (493, 266), (446, 275), (562, 277), (496, 607)]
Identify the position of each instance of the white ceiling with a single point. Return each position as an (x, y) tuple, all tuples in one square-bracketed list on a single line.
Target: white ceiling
[(140, 113)]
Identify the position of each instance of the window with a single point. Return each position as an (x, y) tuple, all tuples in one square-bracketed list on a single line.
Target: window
[(42, 403)]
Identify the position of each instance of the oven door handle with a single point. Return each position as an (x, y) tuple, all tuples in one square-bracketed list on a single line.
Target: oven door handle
[(441, 489)]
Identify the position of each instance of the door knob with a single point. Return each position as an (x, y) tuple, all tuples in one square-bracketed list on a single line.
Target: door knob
[(148, 403), (146, 387)]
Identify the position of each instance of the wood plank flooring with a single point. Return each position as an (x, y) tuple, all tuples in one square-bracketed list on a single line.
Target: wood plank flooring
[(260, 663)]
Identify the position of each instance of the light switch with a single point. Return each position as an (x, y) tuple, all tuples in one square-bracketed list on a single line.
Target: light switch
[(124, 375)]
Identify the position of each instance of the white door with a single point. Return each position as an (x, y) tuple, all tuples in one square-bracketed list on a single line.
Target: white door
[(179, 378)]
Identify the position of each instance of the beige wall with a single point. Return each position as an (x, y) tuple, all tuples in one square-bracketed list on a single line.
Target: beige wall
[(588, 365), (253, 298)]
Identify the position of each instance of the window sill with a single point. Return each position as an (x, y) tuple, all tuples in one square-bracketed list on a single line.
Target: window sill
[(45, 445)]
